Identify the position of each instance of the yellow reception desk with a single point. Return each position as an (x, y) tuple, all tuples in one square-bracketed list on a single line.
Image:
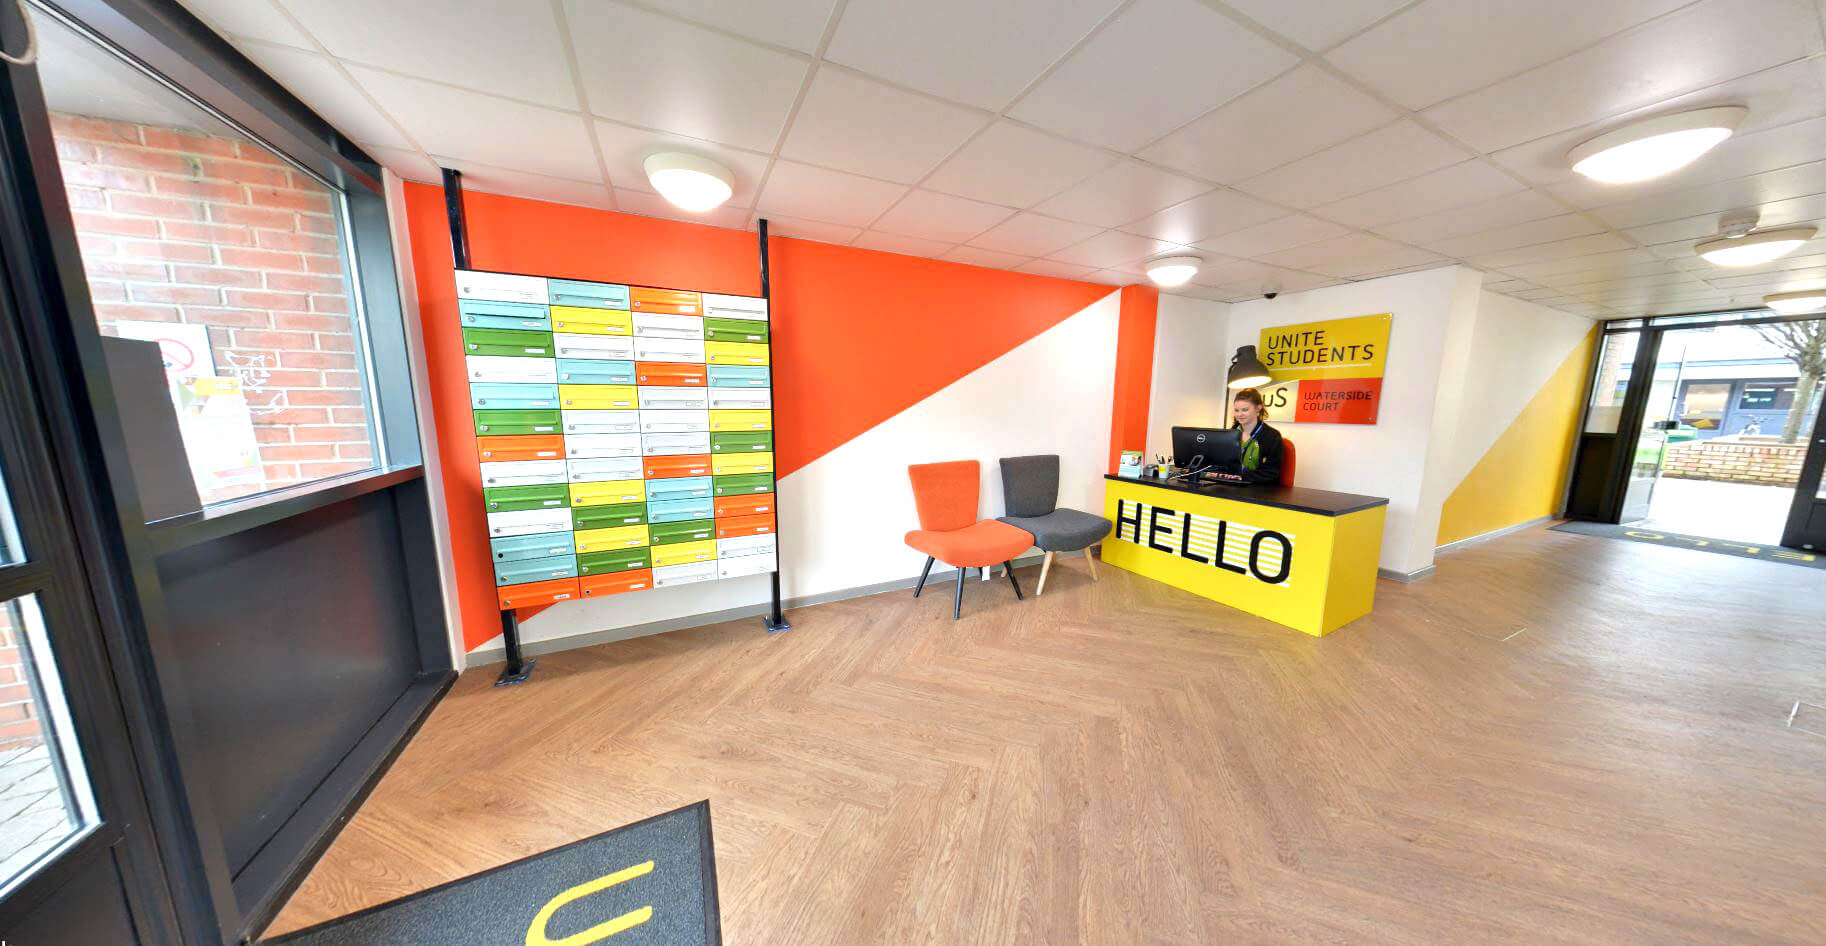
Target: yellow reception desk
[(1305, 558)]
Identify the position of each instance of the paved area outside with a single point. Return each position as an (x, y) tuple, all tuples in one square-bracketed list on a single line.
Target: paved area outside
[(32, 815), (1737, 512)]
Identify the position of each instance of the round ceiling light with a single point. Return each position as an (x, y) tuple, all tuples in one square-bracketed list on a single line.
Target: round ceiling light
[(1760, 246), (690, 182), (1173, 270), (1790, 303), (1655, 146)]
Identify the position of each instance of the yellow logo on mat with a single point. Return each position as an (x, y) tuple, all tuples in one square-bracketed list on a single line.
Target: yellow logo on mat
[(536, 933)]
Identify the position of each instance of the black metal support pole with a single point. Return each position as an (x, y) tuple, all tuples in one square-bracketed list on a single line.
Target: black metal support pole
[(518, 667), (957, 601), (453, 209), (776, 618), (922, 578), (1008, 567)]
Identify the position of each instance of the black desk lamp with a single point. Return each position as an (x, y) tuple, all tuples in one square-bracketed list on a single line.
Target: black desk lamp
[(1246, 370)]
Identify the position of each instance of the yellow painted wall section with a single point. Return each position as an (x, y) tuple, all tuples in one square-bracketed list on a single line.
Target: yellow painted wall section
[(1520, 477)]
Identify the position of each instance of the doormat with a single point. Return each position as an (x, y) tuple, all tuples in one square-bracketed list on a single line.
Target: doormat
[(1698, 543), (651, 883)]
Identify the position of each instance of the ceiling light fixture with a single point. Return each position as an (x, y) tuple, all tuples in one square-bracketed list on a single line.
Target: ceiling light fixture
[(1655, 146), (1173, 270), (1790, 303), (1759, 246), (690, 182)]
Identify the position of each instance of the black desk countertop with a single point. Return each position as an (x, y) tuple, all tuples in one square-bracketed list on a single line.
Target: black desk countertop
[(1320, 502)]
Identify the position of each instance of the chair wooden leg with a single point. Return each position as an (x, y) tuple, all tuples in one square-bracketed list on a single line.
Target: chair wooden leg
[(922, 577), (1008, 567), (1090, 562), (1045, 566), (957, 604)]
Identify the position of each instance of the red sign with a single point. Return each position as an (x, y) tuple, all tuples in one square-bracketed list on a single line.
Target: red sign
[(1337, 400)]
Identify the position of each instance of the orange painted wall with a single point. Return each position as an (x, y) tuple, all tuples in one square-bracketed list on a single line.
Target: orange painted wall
[(858, 335), (1134, 371)]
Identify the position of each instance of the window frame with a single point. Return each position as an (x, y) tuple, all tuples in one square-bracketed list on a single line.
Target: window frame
[(175, 54)]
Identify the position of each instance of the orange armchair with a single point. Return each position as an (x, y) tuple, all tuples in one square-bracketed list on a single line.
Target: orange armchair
[(949, 531), (1288, 460)]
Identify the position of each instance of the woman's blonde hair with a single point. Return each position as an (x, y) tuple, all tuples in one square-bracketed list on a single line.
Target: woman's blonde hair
[(1252, 396)]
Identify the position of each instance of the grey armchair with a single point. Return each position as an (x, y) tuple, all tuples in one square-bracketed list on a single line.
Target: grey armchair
[(1030, 491)]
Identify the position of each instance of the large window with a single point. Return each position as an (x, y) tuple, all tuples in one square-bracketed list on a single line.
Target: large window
[(231, 258)]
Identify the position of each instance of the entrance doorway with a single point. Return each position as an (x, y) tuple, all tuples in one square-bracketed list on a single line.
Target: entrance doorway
[(1708, 426), (1724, 430)]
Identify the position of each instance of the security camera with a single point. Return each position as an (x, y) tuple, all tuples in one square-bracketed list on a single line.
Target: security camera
[(1270, 293)]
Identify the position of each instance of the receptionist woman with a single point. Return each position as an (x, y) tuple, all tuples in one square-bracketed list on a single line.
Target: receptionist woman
[(1260, 445)]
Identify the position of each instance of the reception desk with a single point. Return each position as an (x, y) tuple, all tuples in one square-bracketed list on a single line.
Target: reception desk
[(1305, 558)]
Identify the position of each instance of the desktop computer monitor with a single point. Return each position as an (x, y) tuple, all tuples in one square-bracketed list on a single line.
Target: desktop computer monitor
[(1206, 447)]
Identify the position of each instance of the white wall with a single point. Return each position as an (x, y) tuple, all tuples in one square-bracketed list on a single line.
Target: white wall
[(1517, 346), (842, 518), (1190, 364), (1429, 345)]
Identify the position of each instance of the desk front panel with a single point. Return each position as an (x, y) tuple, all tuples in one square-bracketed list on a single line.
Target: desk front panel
[(1308, 571)]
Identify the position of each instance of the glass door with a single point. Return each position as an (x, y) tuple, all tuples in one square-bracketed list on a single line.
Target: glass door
[(1806, 528), (1661, 417)]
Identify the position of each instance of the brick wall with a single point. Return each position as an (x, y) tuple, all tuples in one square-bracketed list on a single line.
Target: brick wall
[(1736, 460), (19, 725), (177, 226)]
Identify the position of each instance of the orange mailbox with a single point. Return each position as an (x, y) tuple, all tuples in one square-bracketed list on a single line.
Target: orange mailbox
[(537, 592), (670, 374), (671, 301), (527, 447), (692, 465), (737, 526), (753, 504), (597, 586)]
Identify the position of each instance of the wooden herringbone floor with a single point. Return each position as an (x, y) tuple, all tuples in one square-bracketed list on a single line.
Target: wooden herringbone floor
[(1555, 739)]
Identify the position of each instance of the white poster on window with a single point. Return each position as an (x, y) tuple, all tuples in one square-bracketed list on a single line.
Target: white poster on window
[(185, 348), (213, 418)]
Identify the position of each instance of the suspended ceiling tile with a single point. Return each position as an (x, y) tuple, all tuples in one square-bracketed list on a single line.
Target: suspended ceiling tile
[(1317, 26), (1507, 260), (1273, 236), (981, 54), (494, 180), (1600, 261), (1699, 46), (977, 256), (1488, 215), (1393, 153), (316, 80), (1122, 193), (1293, 116), (1205, 216), (1111, 277), (1442, 48), (254, 19), (675, 77), (856, 124), (904, 245), (1349, 255), (1740, 194), (506, 49), (1156, 66), (933, 216), (624, 149), (800, 190), (485, 129), (1468, 182), (1047, 267), (810, 230), (1031, 234), (410, 165), (1016, 166), (1562, 227), (795, 24), (1113, 248)]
